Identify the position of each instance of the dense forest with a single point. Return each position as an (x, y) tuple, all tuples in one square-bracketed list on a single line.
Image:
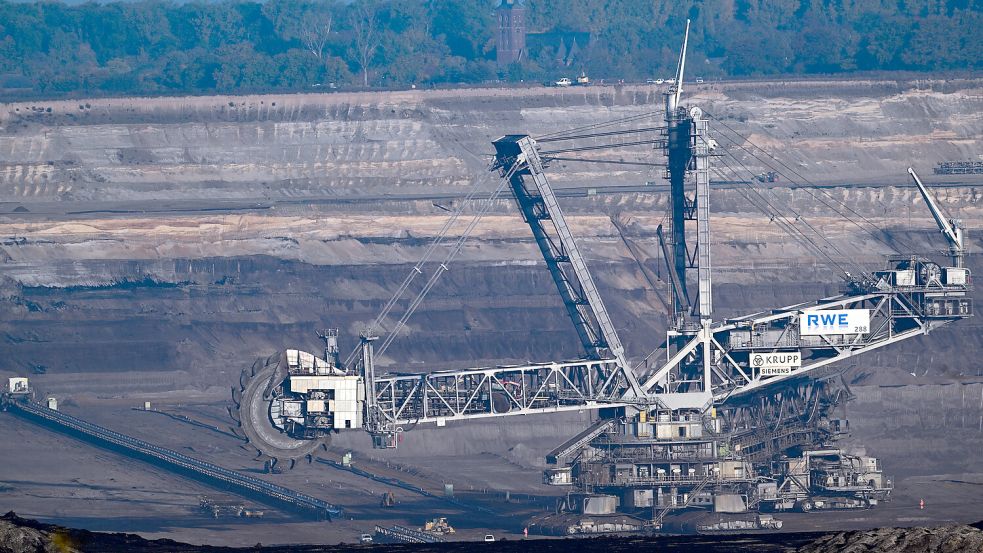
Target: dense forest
[(152, 47)]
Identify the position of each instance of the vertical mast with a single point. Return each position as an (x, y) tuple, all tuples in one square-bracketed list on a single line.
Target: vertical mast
[(688, 148), (702, 144), (679, 152)]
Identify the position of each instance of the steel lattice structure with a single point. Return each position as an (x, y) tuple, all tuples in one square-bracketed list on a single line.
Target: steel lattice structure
[(738, 408)]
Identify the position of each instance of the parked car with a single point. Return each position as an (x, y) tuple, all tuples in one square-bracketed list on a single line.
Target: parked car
[(489, 537), (564, 82), (365, 538)]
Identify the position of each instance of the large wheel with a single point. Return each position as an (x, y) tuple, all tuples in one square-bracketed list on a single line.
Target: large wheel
[(252, 400)]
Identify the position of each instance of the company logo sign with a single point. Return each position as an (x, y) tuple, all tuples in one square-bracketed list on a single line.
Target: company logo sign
[(775, 371), (776, 359), (834, 321)]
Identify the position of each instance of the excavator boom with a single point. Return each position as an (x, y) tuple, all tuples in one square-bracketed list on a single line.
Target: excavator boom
[(949, 227)]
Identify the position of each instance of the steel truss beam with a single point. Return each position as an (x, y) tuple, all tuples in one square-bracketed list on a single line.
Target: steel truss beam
[(594, 384), (518, 158), (499, 391), (894, 317)]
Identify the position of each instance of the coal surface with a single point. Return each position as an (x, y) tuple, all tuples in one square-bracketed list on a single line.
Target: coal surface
[(18, 535), (944, 539)]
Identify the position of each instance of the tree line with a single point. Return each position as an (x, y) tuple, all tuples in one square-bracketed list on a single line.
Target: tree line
[(153, 47)]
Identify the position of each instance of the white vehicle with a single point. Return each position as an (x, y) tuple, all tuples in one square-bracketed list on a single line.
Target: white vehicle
[(564, 82), (583, 79), (699, 80), (670, 81), (365, 539), (489, 537)]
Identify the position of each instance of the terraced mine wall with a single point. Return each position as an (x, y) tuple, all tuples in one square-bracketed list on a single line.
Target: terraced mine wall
[(411, 141)]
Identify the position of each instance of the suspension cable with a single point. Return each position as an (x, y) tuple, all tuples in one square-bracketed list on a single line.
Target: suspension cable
[(592, 126), (611, 161), (761, 204), (418, 267), (658, 141), (789, 225), (778, 217), (600, 134), (811, 186), (442, 267), (809, 190)]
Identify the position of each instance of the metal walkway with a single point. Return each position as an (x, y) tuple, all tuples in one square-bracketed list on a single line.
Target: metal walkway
[(200, 470)]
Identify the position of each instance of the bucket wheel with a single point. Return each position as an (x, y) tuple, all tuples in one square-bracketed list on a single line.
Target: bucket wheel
[(252, 399)]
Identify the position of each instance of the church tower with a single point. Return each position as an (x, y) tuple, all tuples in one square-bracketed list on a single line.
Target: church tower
[(511, 40)]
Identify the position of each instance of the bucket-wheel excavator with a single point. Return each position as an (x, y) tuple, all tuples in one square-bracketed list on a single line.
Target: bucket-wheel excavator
[(738, 416)]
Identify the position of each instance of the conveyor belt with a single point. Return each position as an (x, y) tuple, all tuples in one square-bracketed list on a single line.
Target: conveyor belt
[(402, 534), (201, 470), (580, 440)]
